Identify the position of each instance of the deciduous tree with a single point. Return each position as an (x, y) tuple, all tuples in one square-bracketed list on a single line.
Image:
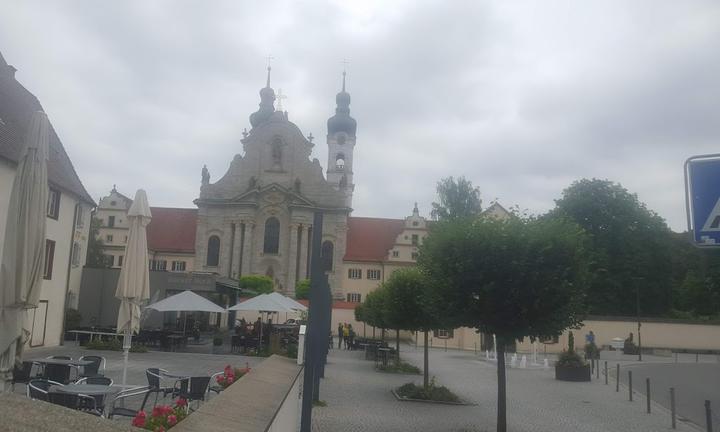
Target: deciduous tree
[(458, 199)]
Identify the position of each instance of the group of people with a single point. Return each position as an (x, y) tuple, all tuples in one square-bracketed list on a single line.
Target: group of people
[(346, 335), (243, 328)]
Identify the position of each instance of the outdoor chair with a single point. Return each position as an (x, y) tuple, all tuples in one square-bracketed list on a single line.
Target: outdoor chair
[(121, 396), (38, 388), (23, 374), (75, 401), (192, 389), (96, 368), (98, 379), (58, 372), (154, 378), (213, 385)]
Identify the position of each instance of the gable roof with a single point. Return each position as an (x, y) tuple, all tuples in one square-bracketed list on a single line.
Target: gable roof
[(172, 230), (370, 239), (17, 106)]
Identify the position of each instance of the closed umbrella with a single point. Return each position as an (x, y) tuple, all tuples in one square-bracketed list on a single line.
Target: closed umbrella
[(23, 256), (133, 287)]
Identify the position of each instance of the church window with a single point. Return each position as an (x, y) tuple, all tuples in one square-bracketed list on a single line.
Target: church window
[(276, 151), (354, 298), (271, 244), (415, 239), (213, 251), (373, 274), (111, 221), (340, 161), (354, 273), (326, 255)]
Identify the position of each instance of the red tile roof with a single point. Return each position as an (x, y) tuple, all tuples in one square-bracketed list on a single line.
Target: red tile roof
[(172, 230), (370, 239)]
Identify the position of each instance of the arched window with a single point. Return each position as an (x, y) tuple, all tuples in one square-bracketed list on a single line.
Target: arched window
[(272, 236), (213, 251), (326, 255), (340, 161)]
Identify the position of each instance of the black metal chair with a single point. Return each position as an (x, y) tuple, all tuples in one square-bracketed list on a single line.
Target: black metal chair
[(99, 380), (24, 374), (58, 372), (75, 401), (213, 386), (38, 388), (121, 396), (154, 378), (97, 367), (192, 388)]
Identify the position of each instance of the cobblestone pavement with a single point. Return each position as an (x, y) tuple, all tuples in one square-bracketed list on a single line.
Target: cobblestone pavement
[(359, 399)]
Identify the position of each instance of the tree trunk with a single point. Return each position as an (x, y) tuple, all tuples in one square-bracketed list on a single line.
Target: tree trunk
[(382, 334), (501, 418), (397, 346), (425, 361)]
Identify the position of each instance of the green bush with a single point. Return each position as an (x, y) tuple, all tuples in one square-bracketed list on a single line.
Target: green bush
[(256, 283), (433, 392), (113, 345), (570, 359), (302, 289), (402, 368)]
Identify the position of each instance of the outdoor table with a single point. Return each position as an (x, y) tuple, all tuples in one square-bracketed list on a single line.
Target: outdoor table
[(62, 362), (86, 389)]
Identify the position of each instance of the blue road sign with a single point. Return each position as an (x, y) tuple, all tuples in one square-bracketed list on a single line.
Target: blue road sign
[(702, 189)]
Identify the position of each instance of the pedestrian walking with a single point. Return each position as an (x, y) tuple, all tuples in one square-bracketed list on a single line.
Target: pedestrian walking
[(346, 335), (351, 337), (340, 335)]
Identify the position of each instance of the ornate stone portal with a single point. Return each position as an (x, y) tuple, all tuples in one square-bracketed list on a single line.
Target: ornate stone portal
[(257, 218)]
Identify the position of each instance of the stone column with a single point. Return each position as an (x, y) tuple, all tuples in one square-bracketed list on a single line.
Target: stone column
[(247, 248), (237, 247), (304, 252), (292, 259)]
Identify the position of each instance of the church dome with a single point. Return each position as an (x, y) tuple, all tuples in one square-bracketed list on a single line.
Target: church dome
[(341, 121)]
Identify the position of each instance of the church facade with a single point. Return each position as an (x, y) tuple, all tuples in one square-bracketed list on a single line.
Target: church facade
[(257, 218)]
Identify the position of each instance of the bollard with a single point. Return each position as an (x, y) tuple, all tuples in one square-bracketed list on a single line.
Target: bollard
[(708, 416), (617, 378), (647, 393), (475, 348), (672, 407), (606, 373), (597, 368), (630, 384)]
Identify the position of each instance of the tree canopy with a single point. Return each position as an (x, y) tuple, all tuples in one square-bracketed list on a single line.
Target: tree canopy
[(95, 257), (458, 199), (302, 289), (256, 283), (631, 248)]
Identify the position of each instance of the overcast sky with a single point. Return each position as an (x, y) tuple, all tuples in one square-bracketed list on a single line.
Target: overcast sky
[(521, 98)]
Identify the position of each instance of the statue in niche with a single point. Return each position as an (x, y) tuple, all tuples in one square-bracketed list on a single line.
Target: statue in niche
[(253, 182), (343, 182), (276, 153), (297, 185), (205, 175)]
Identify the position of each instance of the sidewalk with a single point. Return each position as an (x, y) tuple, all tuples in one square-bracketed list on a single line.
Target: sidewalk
[(359, 399)]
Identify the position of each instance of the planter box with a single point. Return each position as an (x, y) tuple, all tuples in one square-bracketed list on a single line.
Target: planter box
[(576, 374)]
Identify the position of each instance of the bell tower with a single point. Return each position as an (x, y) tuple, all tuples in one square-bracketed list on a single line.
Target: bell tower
[(341, 143)]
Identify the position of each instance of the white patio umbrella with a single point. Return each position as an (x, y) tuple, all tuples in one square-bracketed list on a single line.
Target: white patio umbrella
[(133, 287), (186, 301), (263, 303), (287, 301), (23, 258)]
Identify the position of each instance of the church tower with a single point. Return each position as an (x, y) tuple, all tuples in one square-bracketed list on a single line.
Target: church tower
[(341, 143)]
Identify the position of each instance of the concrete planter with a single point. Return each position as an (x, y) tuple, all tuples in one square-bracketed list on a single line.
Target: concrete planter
[(575, 374)]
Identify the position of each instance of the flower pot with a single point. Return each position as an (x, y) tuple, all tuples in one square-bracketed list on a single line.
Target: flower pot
[(576, 374)]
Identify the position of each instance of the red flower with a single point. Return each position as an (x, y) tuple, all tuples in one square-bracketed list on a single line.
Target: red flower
[(180, 402), (219, 379), (139, 420), (230, 380), (158, 411), (172, 420)]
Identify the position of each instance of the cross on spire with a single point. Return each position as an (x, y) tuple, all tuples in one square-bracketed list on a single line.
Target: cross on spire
[(280, 96), (269, 58), (345, 62)]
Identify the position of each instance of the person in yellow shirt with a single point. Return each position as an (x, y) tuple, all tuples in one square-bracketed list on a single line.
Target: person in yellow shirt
[(346, 335)]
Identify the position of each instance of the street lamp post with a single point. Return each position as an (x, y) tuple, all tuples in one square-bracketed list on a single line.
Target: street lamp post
[(637, 302)]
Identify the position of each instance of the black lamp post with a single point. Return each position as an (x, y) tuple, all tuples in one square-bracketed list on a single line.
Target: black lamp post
[(637, 303)]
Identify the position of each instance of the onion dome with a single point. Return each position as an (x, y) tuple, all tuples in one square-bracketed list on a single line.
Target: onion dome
[(341, 121), (267, 104)]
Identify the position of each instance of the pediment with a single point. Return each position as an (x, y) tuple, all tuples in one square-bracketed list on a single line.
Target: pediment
[(272, 194)]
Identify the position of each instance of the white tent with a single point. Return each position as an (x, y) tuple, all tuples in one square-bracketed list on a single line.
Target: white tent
[(186, 301), (262, 303), (287, 301)]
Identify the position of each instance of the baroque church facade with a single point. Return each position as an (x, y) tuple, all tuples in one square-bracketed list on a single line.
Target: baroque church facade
[(257, 218)]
